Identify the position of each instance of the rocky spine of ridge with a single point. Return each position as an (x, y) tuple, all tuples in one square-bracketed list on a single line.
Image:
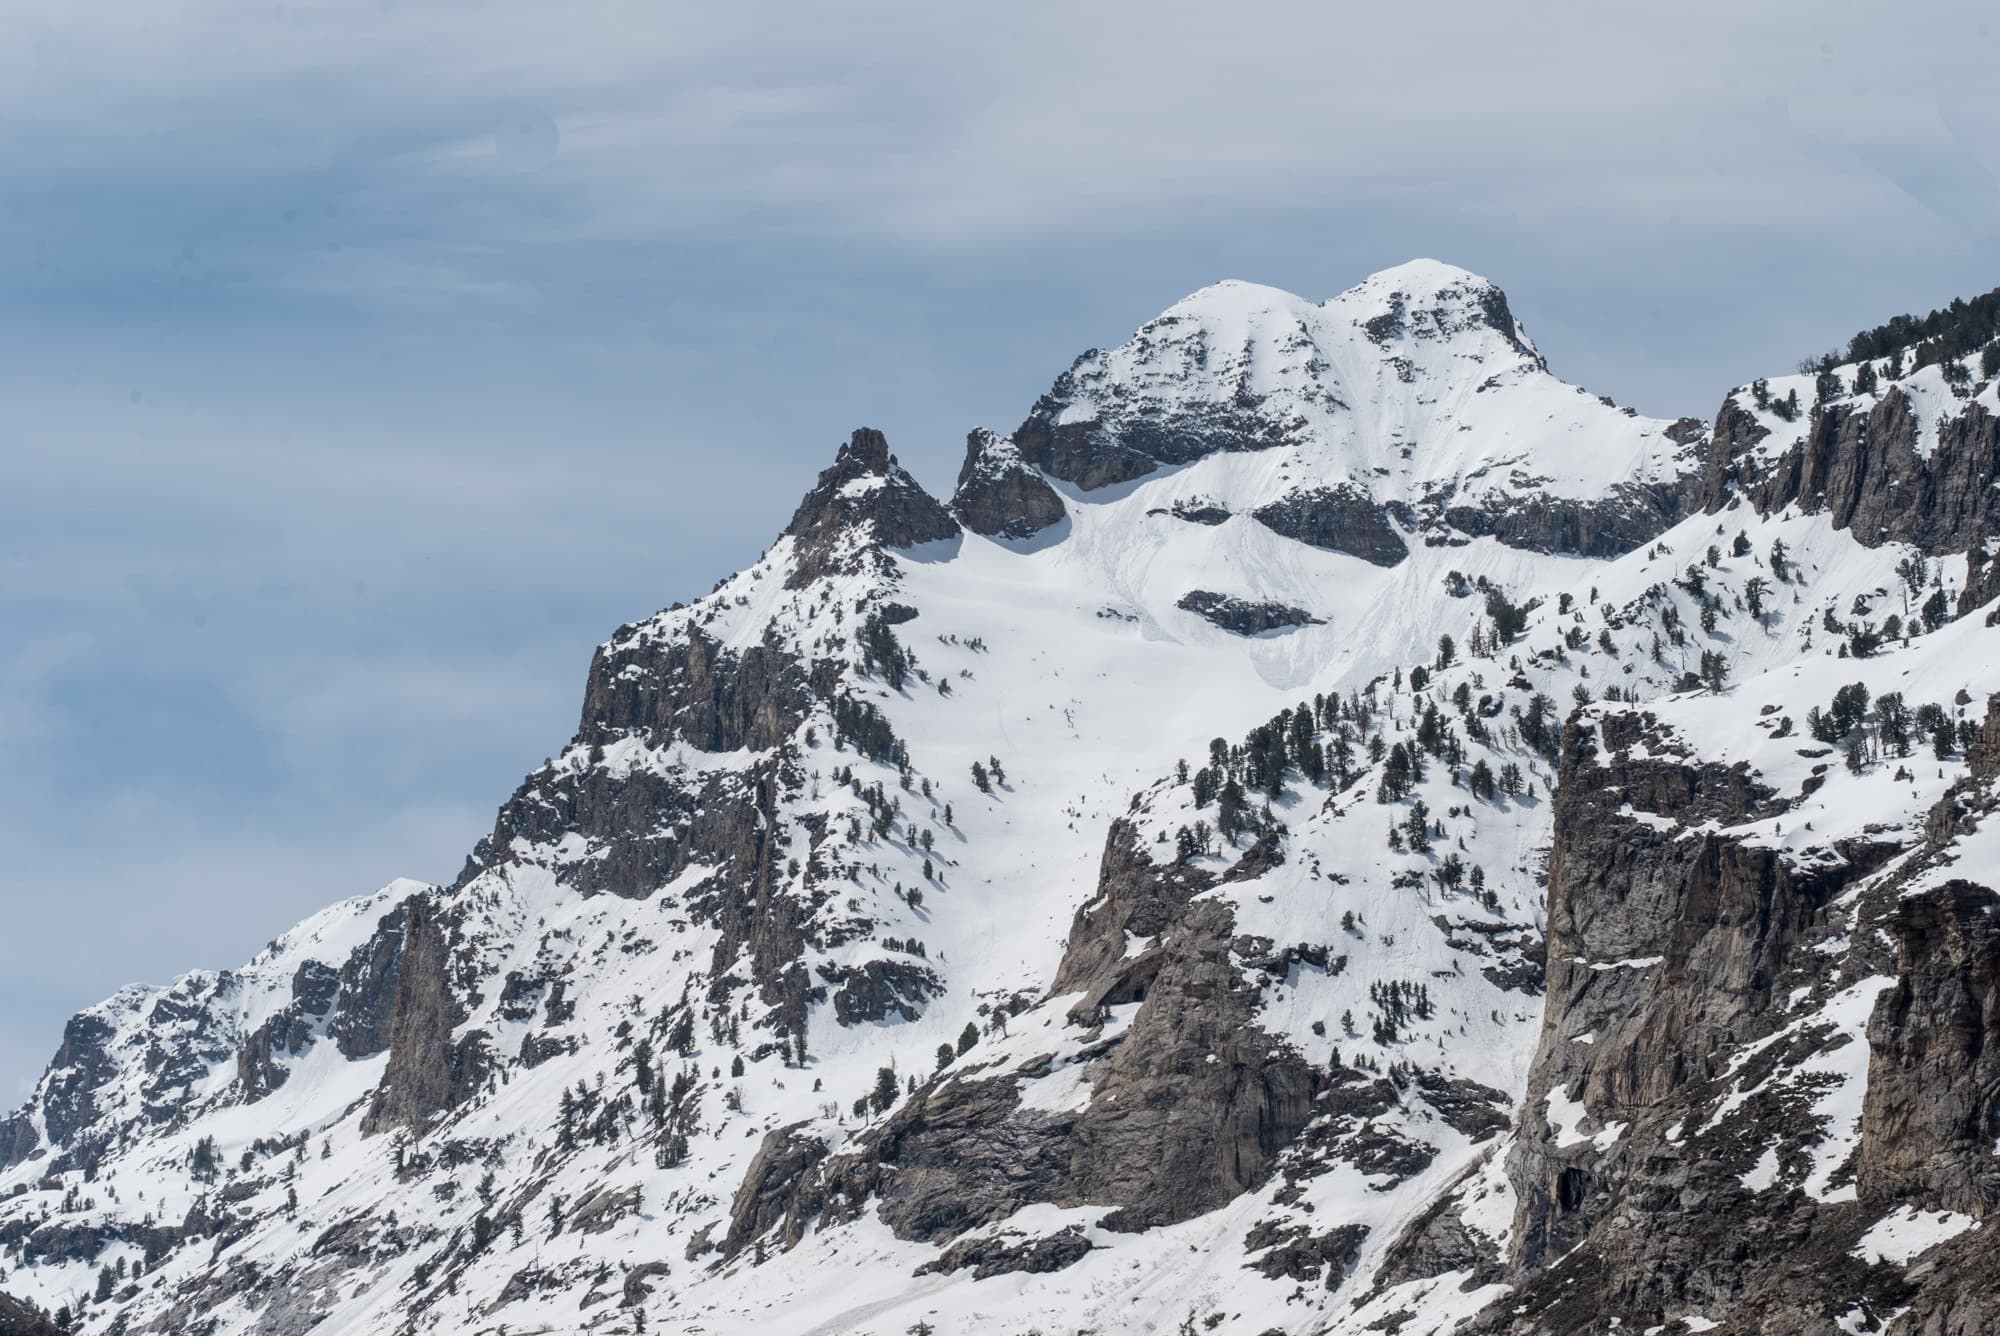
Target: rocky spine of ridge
[(403, 992)]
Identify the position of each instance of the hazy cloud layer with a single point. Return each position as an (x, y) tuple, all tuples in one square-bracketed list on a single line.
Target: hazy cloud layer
[(366, 361)]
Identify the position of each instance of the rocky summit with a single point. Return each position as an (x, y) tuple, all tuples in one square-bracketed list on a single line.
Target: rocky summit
[(1328, 829)]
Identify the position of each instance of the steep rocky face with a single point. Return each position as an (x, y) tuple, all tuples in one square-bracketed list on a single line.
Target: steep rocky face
[(1627, 517), (18, 1138), (289, 1032), (365, 1002), (429, 1071), (79, 1067), (863, 501), (1000, 494), (1752, 1059), (1092, 455), (1191, 1101), (694, 690), (1665, 953), (1197, 1103), (1136, 899), (1914, 464), (1340, 519), (1933, 1107)]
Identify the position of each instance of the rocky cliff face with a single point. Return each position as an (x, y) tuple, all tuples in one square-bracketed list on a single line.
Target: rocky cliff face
[(1911, 463), (1000, 494), (1760, 1089), (1329, 830)]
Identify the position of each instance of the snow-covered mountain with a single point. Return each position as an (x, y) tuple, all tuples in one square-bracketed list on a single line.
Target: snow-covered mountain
[(1328, 829)]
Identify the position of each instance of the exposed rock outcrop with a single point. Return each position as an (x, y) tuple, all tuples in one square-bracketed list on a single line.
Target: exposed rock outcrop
[(1667, 951), (1244, 617), (1932, 1113), (428, 1071), (999, 494), (80, 1066), (879, 990), (260, 1068), (997, 1255), (366, 1004), (18, 1138), (691, 689), (1189, 1108), (1675, 1091), (1093, 453), (865, 500), (1871, 468), (1338, 519), (1628, 517)]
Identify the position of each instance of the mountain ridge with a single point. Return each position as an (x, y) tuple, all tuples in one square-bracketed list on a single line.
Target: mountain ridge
[(1021, 855)]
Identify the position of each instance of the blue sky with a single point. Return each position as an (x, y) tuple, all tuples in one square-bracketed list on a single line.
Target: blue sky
[(364, 362)]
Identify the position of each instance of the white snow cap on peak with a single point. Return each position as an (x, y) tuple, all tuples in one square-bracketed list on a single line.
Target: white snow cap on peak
[(1420, 282), (1422, 278), (1235, 296), (1424, 298), (1429, 297)]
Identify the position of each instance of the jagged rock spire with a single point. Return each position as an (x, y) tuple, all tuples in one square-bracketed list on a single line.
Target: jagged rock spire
[(999, 494), (866, 500)]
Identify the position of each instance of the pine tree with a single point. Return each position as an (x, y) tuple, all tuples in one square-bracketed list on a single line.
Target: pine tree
[(885, 1089), (1482, 782), (1417, 828)]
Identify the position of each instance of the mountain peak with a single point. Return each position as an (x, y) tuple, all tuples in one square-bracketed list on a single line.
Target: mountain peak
[(1420, 282), (1416, 390), (865, 499), (865, 453), (1428, 300), (1424, 277), (1235, 297)]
